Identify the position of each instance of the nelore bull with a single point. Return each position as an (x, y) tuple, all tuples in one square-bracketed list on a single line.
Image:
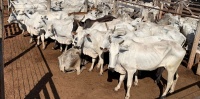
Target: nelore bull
[(140, 56)]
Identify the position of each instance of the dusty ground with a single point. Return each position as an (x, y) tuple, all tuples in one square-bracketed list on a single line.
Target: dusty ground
[(31, 72)]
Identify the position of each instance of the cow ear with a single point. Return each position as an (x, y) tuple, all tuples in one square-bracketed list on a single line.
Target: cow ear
[(114, 29), (123, 49), (121, 42), (88, 37), (142, 19)]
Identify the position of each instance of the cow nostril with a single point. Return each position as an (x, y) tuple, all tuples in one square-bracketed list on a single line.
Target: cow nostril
[(101, 48), (77, 47)]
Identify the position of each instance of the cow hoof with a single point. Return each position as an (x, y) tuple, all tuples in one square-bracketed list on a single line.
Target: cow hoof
[(100, 74), (162, 97), (135, 83), (83, 68), (90, 69), (171, 91), (43, 48), (116, 89), (127, 97)]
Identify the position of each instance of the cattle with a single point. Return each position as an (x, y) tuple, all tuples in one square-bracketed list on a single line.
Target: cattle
[(60, 31), (88, 42), (27, 20), (141, 56), (70, 61), (188, 28)]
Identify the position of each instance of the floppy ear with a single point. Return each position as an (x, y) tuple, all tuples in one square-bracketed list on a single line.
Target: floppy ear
[(121, 42), (123, 49), (114, 29), (142, 19), (88, 37)]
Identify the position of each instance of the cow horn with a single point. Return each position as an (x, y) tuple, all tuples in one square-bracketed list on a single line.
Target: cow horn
[(109, 39), (114, 29), (121, 42)]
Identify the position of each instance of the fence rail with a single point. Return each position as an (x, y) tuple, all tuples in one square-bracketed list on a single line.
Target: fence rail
[(195, 8)]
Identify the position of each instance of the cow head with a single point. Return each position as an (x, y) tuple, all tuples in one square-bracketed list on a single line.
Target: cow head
[(41, 22), (105, 45), (12, 18), (49, 31), (113, 55), (80, 38), (114, 51)]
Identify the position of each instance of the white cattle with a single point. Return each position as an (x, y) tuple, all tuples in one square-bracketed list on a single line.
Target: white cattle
[(27, 19), (140, 56), (70, 61), (89, 41), (28, 6), (60, 30), (189, 26)]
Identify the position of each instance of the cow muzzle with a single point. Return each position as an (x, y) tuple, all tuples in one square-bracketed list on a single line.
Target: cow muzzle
[(77, 47), (111, 69), (104, 49)]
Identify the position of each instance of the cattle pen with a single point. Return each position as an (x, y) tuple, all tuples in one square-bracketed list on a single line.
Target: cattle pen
[(32, 73)]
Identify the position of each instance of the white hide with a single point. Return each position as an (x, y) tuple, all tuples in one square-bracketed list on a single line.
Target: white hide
[(140, 56), (70, 60), (87, 40)]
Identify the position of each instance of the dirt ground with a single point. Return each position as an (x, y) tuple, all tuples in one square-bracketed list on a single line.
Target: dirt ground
[(31, 72)]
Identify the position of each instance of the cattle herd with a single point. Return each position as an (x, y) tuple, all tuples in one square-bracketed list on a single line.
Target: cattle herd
[(134, 37)]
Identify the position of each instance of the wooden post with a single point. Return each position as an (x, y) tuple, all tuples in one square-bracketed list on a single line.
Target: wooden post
[(194, 46), (48, 5), (2, 89), (95, 4), (198, 69), (180, 7), (160, 13), (86, 6), (114, 7)]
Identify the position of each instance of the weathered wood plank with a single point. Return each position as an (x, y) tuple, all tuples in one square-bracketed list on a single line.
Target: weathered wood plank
[(194, 47)]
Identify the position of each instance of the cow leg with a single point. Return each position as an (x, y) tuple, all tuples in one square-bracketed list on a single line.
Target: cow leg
[(56, 45), (23, 32), (159, 72), (42, 39), (121, 79), (136, 79), (169, 81), (31, 39), (100, 64), (92, 66), (66, 47), (78, 66), (129, 82), (62, 69), (38, 40), (61, 47), (174, 83)]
